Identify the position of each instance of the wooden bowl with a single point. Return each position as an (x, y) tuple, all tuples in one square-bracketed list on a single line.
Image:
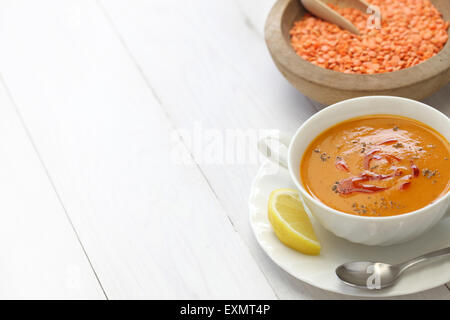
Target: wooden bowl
[(328, 86)]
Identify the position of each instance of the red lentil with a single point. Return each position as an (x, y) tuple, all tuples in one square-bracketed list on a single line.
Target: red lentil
[(411, 32)]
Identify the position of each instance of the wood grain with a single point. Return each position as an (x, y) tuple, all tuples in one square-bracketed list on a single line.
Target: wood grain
[(152, 228), (41, 255)]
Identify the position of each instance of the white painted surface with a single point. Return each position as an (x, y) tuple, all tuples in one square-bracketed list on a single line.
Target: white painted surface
[(102, 87), (41, 256)]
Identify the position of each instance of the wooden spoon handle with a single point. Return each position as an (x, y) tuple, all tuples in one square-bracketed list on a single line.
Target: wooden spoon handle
[(321, 10), (361, 5)]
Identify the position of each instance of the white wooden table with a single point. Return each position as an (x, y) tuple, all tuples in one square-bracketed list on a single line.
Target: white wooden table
[(92, 204)]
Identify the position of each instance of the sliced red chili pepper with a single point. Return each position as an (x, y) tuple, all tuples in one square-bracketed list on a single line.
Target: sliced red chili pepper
[(406, 182), (405, 185), (368, 157), (372, 155), (398, 171), (388, 141), (371, 152), (372, 188), (415, 169), (345, 186), (373, 176), (355, 184), (351, 185), (341, 165), (391, 157)]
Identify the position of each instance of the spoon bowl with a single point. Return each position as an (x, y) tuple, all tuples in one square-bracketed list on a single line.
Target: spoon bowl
[(368, 275), (377, 275)]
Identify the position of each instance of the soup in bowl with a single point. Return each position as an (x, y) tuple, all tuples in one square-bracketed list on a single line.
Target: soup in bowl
[(377, 166), (373, 170)]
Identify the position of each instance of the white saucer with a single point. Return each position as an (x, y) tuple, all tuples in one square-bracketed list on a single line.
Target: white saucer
[(318, 271)]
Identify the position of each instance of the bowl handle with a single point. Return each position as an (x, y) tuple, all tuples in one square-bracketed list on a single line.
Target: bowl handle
[(275, 148)]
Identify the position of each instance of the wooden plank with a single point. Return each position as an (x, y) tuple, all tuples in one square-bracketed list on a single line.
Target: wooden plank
[(152, 227), (212, 93), (41, 255), (207, 63)]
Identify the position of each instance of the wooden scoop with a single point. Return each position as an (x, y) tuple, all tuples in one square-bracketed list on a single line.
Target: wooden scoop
[(320, 9)]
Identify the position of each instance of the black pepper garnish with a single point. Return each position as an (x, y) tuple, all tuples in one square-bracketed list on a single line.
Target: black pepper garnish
[(428, 173), (398, 145)]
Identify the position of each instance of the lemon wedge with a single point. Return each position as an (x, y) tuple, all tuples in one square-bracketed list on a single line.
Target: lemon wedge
[(291, 223)]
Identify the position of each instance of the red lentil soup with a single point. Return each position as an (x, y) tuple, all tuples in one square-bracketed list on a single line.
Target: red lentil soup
[(378, 165)]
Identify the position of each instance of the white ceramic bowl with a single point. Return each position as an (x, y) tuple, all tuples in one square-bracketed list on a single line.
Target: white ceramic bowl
[(360, 229)]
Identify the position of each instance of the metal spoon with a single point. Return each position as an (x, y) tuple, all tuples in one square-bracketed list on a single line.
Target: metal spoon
[(377, 275), (321, 10)]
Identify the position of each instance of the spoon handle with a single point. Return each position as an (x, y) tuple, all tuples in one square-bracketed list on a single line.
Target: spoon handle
[(361, 5), (434, 254), (321, 10)]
